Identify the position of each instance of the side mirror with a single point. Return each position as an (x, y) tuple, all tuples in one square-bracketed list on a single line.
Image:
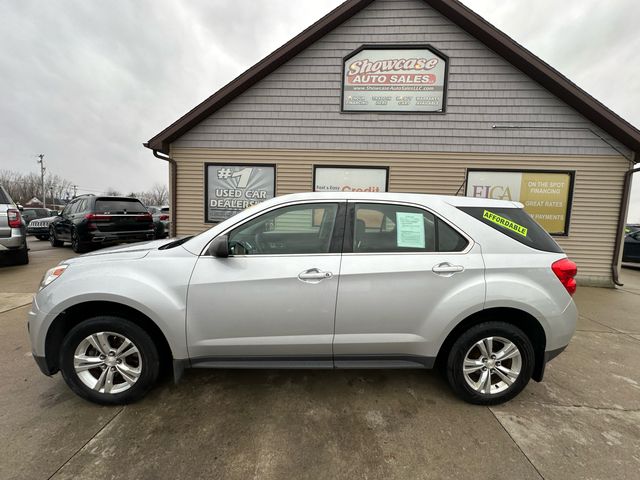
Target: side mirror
[(220, 247)]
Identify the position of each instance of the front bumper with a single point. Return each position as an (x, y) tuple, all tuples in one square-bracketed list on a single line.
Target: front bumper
[(37, 230), (43, 366)]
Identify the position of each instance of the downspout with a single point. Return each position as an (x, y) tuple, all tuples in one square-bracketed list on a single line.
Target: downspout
[(624, 206), (173, 194)]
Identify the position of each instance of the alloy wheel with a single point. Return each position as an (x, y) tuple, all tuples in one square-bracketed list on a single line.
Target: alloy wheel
[(107, 362), (492, 365)]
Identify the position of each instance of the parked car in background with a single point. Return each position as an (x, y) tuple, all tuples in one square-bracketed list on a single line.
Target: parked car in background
[(317, 280), (89, 221), (29, 214), (39, 227), (161, 220), (13, 233), (631, 249)]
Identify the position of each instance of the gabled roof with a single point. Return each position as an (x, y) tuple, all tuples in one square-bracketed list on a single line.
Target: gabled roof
[(465, 18)]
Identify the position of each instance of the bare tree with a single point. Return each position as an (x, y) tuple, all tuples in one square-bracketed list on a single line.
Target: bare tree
[(159, 194), (112, 192)]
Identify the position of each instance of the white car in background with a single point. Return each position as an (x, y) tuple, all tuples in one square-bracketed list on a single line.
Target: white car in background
[(317, 280)]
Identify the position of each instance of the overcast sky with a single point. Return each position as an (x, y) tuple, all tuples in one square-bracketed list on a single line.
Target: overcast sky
[(87, 82)]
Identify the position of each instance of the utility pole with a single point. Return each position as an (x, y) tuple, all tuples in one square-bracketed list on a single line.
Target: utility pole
[(42, 170), (75, 191)]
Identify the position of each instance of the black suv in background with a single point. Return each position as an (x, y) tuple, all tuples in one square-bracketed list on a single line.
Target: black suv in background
[(89, 220)]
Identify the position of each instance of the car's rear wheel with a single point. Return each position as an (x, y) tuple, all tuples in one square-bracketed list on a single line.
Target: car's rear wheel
[(52, 238), (109, 360), (490, 363), (21, 256), (76, 245)]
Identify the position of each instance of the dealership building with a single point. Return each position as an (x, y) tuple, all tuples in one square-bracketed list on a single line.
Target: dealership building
[(409, 96)]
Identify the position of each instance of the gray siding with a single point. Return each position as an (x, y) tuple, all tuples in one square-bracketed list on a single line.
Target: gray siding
[(298, 105)]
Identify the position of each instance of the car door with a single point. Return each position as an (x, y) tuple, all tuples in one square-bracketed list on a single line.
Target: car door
[(273, 299), (62, 225), (405, 275), (631, 250)]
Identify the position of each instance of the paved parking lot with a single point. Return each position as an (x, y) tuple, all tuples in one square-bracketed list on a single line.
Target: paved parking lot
[(582, 422)]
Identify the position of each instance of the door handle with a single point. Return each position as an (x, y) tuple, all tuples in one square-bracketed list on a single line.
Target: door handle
[(446, 269), (314, 275)]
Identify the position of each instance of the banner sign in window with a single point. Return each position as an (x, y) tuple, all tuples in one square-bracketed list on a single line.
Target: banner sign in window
[(350, 179), (394, 79), (232, 188), (505, 223), (546, 195), (410, 230)]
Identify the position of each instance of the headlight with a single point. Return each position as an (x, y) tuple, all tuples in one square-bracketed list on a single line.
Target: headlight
[(52, 274)]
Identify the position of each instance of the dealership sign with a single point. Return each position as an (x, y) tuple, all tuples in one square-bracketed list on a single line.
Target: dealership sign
[(350, 179), (546, 195), (232, 188), (385, 79)]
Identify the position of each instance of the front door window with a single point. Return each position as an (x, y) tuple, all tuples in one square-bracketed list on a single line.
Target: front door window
[(299, 229)]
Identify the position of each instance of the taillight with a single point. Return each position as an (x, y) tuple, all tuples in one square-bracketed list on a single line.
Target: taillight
[(92, 217), (13, 216), (164, 217), (566, 270)]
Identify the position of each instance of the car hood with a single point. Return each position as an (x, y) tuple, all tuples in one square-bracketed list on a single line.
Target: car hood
[(120, 252), (131, 247)]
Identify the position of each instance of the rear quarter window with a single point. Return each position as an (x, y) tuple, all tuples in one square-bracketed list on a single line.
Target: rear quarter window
[(516, 224)]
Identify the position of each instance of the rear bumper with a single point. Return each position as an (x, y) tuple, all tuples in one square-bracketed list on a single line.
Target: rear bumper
[(121, 237), (15, 241)]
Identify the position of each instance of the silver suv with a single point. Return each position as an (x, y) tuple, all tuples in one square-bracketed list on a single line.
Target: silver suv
[(317, 280), (13, 237)]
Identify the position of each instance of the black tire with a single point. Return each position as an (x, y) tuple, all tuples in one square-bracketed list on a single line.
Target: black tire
[(76, 245), (467, 340), (145, 345), (20, 257), (159, 233), (53, 240)]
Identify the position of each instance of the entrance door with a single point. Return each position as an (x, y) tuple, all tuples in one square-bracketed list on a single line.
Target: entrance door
[(405, 275), (273, 300)]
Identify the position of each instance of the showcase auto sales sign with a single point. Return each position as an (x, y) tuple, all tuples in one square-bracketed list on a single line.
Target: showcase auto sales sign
[(394, 80)]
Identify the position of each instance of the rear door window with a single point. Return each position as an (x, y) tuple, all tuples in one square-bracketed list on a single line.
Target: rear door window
[(516, 224), (119, 206), (389, 228)]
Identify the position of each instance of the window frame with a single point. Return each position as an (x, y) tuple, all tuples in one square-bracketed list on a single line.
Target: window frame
[(347, 246), (337, 236)]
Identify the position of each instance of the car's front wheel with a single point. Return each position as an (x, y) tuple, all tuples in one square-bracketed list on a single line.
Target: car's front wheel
[(52, 238), (490, 363), (109, 360)]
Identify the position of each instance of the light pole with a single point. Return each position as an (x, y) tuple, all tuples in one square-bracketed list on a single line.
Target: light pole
[(42, 170)]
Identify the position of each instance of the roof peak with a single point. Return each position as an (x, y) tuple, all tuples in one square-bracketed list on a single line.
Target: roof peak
[(465, 18)]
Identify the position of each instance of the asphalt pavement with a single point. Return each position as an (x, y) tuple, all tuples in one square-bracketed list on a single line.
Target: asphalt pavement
[(582, 422)]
